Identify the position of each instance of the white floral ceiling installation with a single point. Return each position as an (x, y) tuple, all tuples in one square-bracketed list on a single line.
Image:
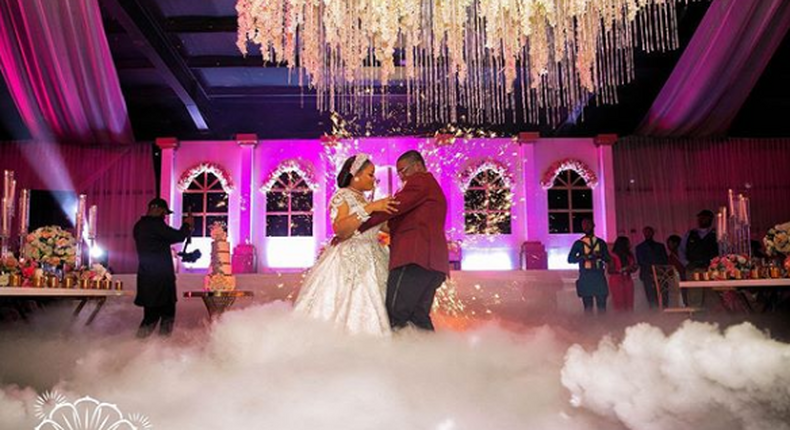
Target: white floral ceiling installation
[(492, 61)]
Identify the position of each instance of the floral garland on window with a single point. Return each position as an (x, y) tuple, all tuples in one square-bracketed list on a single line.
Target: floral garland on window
[(286, 167), (560, 166), (190, 174), (466, 177)]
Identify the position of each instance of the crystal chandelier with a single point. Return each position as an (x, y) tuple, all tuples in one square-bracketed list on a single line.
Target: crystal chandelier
[(477, 61)]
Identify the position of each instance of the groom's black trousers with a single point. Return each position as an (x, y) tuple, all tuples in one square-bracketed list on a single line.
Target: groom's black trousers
[(410, 291)]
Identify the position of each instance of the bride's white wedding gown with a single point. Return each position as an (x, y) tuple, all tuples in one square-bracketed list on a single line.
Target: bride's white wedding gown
[(347, 285)]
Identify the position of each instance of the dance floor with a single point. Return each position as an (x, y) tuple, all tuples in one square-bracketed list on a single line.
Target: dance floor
[(512, 351)]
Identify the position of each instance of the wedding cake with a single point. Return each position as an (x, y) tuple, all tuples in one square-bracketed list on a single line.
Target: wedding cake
[(220, 276)]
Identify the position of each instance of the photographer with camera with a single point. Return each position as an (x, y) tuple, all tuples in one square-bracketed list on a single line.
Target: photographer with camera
[(156, 279)]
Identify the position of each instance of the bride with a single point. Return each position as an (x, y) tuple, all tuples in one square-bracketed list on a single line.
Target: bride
[(347, 285)]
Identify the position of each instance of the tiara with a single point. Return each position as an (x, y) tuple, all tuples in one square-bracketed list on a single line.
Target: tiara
[(359, 161)]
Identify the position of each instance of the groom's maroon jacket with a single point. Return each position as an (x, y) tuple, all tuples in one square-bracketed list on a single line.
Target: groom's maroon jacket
[(417, 229)]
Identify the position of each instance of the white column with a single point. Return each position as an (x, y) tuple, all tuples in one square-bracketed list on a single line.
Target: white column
[(167, 184), (604, 143)]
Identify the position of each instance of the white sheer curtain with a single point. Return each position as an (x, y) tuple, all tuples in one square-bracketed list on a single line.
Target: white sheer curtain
[(665, 182)]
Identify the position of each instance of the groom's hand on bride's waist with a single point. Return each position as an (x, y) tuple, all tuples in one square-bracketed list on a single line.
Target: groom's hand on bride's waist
[(335, 240)]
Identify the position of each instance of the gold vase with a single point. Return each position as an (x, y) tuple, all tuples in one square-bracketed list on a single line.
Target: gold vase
[(104, 284), (15, 280), (118, 285), (68, 282), (83, 284), (52, 282)]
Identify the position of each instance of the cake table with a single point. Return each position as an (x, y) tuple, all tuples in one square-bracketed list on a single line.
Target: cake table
[(217, 302)]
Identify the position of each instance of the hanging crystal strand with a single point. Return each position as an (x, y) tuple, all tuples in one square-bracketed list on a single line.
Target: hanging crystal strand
[(523, 84), (674, 34), (479, 68)]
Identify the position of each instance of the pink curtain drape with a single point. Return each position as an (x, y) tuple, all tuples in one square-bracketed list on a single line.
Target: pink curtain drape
[(665, 182), (118, 179), (718, 69), (57, 64)]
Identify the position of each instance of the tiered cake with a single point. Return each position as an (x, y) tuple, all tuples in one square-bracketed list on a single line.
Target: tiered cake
[(220, 276)]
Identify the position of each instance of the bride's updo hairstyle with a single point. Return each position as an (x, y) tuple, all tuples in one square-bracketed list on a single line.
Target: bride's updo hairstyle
[(345, 175)]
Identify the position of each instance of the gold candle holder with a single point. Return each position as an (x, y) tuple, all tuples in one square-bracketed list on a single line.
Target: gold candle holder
[(83, 284), (755, 273), (52, 282), (14, 280), (38, 282), (68, 282), (697, 276), (775, 273), (105, 284), (706, 276), (118, 285), (94, 285), (738, 274)]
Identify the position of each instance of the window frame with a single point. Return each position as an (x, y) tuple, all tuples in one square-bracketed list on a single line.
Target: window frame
[(569, 185), (206, 187), (291, 187), (488, 186)]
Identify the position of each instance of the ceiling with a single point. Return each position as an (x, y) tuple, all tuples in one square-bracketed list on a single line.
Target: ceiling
[(182, 75)]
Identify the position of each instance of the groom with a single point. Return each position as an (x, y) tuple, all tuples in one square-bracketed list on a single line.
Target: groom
[(418, 248)]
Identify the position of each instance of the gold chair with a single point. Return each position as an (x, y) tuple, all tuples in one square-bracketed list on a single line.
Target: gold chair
[(667, 281)]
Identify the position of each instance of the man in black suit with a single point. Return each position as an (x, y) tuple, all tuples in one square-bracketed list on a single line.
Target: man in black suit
[(648, 254), (156, 278)]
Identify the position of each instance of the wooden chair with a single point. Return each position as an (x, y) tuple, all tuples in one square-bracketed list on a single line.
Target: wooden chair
[(667, 281)]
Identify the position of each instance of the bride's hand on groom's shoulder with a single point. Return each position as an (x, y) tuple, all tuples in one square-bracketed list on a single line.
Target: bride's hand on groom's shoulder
[(387, 204)]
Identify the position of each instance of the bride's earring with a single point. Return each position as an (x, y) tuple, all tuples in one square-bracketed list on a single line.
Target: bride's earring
[(356, 179)]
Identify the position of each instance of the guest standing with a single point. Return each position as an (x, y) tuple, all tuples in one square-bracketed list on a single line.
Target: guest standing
[(673, 244), (699, 245), (621, 286), (156, 279), (592, 254), (648, 254)]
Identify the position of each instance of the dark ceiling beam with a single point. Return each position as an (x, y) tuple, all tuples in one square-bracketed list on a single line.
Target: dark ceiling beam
[(212, 61), (201, 24), (153, 43)]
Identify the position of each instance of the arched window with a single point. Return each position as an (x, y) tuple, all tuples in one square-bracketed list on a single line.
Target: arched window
[(487, 203), (289, 206), (208, 201), (570, 201)]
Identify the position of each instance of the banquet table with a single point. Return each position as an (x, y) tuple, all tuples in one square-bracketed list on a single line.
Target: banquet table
[(737, 283), (83, 295), (736, 287)]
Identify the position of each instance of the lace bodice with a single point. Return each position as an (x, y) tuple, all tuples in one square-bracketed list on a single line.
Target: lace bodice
[(356, 203)]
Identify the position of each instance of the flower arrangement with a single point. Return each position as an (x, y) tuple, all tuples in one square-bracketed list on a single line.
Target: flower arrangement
[(9, 264), (225, 179), (384, 238), (730, 266), (96, 272), (288, 166), (51, 245), (466, 178), (578, 166), (218, 233), (777, 240)]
